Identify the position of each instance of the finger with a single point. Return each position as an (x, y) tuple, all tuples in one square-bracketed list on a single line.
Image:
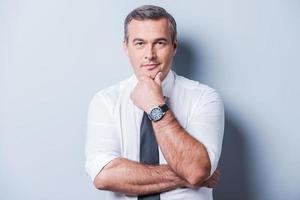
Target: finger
[(216, 177), (217, 173), (205, 184), (215, 183), (157, 78), (212, 183)]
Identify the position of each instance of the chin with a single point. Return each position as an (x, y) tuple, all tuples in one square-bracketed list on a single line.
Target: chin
[(153, 73), (150, 73)]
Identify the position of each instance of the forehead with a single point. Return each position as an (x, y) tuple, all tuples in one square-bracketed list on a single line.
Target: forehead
[(149, 29)]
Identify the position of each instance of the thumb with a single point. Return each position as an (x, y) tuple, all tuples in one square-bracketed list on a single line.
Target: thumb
[(157, 78)]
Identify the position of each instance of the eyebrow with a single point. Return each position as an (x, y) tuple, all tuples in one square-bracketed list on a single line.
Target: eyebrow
[(137, 39), (161, 39), (156, 40)]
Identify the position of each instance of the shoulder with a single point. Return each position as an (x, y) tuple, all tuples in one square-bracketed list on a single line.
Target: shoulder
[(191, 99), (195, 90), (111, 94)]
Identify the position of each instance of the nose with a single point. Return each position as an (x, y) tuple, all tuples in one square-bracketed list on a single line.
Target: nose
[(150, 53)]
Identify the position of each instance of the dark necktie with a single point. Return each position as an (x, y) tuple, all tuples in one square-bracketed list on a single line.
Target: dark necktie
[(148, 150)]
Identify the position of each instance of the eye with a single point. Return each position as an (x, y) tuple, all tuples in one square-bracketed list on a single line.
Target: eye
[(160, 44), (138, 44)]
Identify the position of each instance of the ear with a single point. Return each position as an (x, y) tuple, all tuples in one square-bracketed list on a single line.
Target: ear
[(125, 47), (175, 45)]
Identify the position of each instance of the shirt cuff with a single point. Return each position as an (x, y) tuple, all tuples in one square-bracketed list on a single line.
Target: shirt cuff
[(213, 161), (94, 166)]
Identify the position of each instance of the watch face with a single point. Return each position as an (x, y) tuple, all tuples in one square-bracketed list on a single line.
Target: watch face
[(156, 114)]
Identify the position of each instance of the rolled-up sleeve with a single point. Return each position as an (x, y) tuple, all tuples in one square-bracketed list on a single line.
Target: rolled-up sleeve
[(206, 124), (102, 139)]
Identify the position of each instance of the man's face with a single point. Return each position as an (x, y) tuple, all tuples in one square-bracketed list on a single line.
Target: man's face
[(149, 47)]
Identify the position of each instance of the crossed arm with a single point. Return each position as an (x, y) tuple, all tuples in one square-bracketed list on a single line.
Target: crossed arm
[(188, 165), (132, 178)]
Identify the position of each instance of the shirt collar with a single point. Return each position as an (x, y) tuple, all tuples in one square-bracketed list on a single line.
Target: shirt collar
[(167, 83)]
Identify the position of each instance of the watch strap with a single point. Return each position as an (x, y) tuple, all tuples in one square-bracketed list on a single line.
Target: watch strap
[(164, 108)]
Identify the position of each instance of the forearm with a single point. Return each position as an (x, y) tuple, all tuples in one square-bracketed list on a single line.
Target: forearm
[(132, 178), (185, 155)]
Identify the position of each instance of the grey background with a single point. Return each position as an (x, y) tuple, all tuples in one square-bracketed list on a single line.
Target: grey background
[(54, 55)]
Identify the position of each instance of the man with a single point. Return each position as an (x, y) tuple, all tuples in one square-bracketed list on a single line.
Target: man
[(156, 135)]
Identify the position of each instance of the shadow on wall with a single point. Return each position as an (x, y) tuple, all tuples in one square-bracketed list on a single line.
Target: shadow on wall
[(186, 62), (234, 183)]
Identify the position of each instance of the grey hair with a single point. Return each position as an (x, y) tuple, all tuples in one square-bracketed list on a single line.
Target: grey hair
[(150, 12)]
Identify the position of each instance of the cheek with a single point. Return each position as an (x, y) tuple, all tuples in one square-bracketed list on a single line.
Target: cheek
[(136, 56), (168, 57), (167, 54), (134, 59)]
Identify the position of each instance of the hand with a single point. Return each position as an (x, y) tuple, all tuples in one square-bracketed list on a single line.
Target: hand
[(147, 93), (213, 181)]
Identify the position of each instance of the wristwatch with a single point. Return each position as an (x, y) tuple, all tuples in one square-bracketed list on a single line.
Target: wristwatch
[(157, 113)]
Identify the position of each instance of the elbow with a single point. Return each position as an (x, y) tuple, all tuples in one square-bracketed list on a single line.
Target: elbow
[(196, 177), (105, 178), (101, 182)]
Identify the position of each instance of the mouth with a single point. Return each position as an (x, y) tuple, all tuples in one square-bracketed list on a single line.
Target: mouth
[(150, 66)]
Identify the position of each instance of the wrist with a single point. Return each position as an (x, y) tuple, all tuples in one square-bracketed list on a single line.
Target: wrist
[(158, 112), (154, 105)]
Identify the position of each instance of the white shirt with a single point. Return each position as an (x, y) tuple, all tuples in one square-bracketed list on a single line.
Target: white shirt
[(113, 127)]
